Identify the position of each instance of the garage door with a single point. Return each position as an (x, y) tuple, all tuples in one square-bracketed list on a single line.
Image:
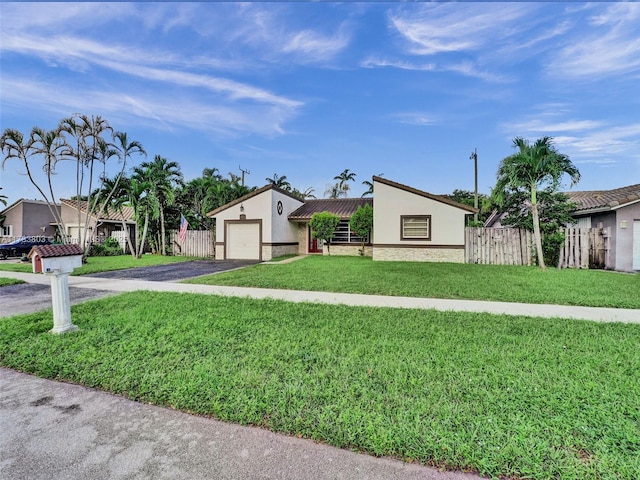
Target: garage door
[(636, 245), (243, 241)]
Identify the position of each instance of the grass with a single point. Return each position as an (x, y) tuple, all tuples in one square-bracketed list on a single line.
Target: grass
[(5, 282), (105, 264), (505, 396), (595, 288)]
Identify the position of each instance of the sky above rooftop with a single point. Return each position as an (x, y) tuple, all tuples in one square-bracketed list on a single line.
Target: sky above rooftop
[(308, 89)]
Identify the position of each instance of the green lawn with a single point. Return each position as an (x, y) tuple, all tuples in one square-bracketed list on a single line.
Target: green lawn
[(513, 396), (595, 288), (105, 264), (5, 282)]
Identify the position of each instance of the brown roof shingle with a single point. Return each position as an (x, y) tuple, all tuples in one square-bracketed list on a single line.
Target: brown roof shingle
[(110, 215), (46, 251), (343, 207), (605, 199)]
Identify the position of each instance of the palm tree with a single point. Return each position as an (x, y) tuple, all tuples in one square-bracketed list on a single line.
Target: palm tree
[(333, 191), (164, 175), (369, 188), (343, 179), (280, 182), (531, 167)]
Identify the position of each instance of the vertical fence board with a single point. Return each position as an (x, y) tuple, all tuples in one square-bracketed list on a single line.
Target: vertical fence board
[(198, 243)]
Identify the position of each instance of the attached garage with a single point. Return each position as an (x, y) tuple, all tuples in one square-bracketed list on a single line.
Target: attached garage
[(242, 239)]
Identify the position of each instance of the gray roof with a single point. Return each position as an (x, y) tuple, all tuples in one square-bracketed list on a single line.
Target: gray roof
[(343, 207), (604, 199)]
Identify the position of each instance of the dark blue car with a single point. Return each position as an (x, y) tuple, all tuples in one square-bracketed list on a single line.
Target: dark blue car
[(22, 246)]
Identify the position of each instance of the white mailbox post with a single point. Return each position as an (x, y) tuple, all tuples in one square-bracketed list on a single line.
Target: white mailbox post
[(58, 261)]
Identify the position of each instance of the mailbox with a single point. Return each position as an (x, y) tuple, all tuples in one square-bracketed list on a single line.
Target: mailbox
[(58, 261), (55, 258)]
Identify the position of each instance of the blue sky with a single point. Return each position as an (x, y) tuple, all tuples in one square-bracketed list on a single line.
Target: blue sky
[(308, 89)]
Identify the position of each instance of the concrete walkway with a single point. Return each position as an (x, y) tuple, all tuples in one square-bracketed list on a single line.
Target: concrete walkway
[(534, 310)]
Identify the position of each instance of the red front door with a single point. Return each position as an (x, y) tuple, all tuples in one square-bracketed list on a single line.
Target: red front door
[(314, 245)]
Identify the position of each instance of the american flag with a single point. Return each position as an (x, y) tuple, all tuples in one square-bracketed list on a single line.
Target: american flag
[(183, 228)]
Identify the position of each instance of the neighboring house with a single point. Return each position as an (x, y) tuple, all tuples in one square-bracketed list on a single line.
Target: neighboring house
[(99, 228), (408, 224), (28, 218), (412, 225), (617, 212)]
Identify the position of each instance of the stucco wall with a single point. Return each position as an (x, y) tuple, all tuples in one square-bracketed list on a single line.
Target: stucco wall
[(624, 237), (390, 203), (419, 254)]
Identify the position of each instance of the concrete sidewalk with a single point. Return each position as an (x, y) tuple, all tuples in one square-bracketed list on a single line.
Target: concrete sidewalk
[(64, 431), (534, 310)]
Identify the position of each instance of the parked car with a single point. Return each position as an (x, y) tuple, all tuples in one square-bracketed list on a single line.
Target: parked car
[(21, 246)]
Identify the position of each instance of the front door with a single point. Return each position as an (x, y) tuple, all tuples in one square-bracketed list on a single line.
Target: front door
[(315, 245)]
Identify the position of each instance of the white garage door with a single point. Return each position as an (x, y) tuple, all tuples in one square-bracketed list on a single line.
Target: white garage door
[(636, 245), (243, 241)]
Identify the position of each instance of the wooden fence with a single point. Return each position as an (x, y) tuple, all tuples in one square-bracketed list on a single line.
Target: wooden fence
[(583, 247), (498, 246), (199, 243)]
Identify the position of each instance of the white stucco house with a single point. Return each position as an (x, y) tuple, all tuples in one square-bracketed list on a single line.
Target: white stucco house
[(408, 224)]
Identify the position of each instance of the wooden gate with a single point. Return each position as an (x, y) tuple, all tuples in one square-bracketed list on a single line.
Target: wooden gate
[(498, 246)]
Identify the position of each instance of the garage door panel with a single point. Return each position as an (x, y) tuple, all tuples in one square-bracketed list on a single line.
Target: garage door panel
[(243, 241)]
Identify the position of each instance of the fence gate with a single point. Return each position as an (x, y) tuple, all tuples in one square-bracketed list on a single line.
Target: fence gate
[(199, 243), (583, 248)]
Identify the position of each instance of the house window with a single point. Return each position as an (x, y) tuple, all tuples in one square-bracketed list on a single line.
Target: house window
[(416, 227), (343, 234), (7, 231)]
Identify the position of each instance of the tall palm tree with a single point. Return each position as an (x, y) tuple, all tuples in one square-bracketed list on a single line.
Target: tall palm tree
[(280, 182), (15, 145), (343, 181), (165, 175), (530, 168)]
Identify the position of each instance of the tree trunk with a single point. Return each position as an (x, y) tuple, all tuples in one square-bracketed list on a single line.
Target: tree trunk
[(144, 234), (537, 236), (162, 240)]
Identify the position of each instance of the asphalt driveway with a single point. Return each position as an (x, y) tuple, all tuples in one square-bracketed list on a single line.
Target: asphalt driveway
[(175, 272), (29, 298)]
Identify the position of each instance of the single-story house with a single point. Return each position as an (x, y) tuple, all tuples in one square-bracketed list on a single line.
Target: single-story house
[(617, 212), (99, 228), (408, 224), (28, 218)]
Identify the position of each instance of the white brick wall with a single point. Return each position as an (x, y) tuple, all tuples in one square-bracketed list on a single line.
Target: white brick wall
[(419, 254)]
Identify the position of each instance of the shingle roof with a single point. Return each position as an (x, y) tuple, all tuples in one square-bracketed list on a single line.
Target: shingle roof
[(46, 251), (110, 215), (605, 199), (343, 207)]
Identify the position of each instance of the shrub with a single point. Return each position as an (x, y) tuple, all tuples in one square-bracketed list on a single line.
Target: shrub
[(109, 248)]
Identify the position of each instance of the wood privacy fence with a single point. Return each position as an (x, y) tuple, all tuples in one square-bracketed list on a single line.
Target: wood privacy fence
[(583, 247), (199, 243), (498, 246)]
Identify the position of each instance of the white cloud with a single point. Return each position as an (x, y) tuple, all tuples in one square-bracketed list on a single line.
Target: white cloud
[(160, 112), (610, 45), (456, 27), (415, 118)]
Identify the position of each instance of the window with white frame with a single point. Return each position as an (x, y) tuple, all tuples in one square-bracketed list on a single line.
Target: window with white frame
[(343, 234), (415, 227), (7, 231)]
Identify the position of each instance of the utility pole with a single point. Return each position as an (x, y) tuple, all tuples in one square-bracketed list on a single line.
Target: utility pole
[(243, 172), (474, 157)]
